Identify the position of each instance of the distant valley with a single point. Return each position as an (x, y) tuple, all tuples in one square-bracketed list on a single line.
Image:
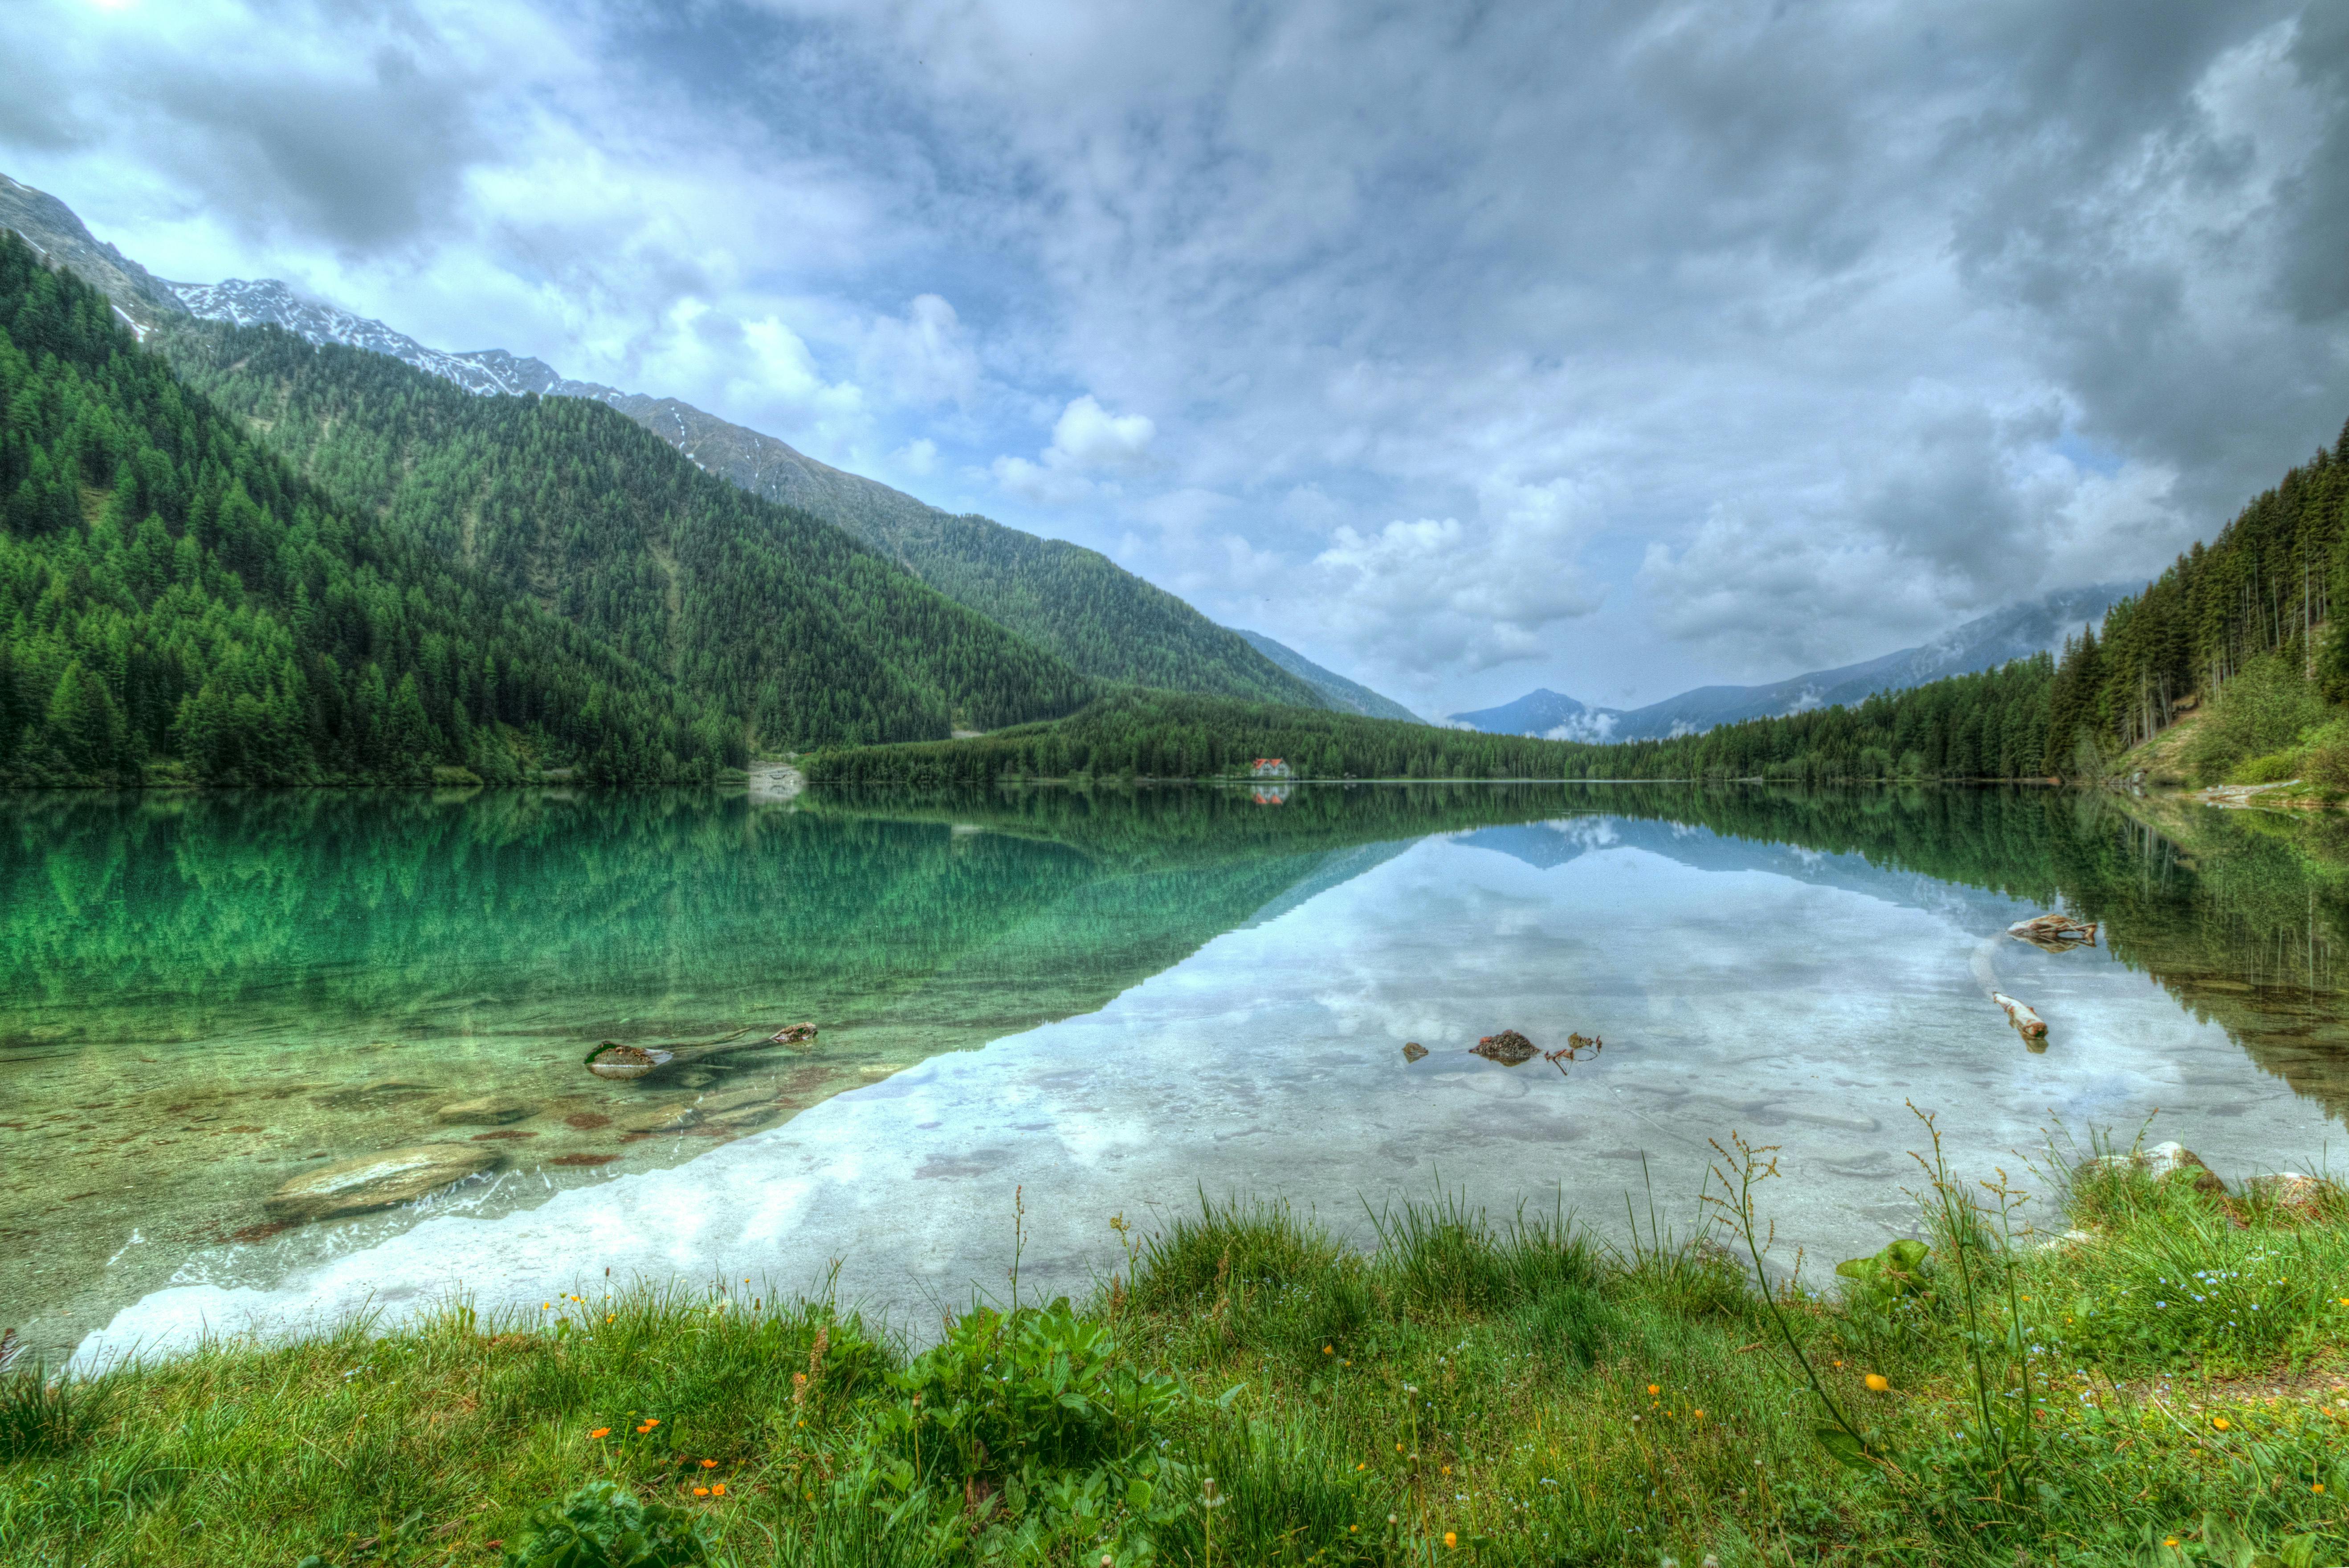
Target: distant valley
[(1981, 644)]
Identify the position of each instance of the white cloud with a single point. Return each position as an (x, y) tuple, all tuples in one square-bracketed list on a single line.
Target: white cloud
[(924, 359), (1446, 594), (1088, 438), (1585, 726), (1045, 484)]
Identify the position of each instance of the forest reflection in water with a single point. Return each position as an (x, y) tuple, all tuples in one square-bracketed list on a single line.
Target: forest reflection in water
[(200, 996)]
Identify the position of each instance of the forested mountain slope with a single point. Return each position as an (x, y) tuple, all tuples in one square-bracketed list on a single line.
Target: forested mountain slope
[(772, 615), (1093, 613), (170, 592), (1334, 689), (1101, 619), (2264, 586)]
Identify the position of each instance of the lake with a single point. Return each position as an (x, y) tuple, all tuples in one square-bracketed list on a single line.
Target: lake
[(1042, 1009)]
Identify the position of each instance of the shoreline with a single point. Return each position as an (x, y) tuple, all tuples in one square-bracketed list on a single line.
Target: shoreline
[(1510, 1390)]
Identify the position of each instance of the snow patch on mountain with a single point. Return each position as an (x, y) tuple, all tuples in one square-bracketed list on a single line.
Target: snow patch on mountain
[(489, 372)]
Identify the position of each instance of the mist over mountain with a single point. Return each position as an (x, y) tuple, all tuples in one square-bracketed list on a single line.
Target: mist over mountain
[(1543, 712), (1984, 642)]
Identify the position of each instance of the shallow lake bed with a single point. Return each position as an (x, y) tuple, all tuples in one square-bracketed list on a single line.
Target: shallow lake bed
[(1113, 1008)]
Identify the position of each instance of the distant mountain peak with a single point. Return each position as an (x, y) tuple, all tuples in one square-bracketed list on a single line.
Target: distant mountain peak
[(1542, 712), (1986, 642)]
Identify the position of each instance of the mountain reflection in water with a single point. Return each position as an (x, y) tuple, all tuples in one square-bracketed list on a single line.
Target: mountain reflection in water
[(201, 996)]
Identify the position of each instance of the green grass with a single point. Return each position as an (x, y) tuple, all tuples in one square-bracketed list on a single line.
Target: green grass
[(1470, 1390)]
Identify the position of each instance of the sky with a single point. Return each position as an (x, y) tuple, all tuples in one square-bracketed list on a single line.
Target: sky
[(1467, 348)]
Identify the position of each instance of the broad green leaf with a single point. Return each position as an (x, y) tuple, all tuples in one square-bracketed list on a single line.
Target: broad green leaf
[(1841, 1445)]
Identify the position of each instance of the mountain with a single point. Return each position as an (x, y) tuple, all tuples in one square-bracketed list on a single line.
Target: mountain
[(57, 237), (173, 596), (1540, 712), (775, 618), (1077, 602), (1337, 692), (1984, 642), (772, 615), (268, 303), (1100, 617), (1072, 602)]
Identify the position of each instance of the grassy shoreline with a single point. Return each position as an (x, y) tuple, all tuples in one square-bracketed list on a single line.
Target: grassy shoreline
[(2165, 1385)]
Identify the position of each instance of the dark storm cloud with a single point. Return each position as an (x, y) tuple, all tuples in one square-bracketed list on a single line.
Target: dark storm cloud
[(369, 157), (2315, 272), (317, 120)]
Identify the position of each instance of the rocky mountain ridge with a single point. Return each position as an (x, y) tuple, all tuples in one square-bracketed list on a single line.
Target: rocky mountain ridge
[(266, 302)]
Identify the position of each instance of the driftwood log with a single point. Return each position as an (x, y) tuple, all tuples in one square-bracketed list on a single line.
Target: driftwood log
[(2028, 1023)]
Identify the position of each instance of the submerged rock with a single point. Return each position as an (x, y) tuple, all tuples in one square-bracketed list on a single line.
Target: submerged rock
[(670, 1118), (488, 1110), (621, 1063), (377, 1180), (1412, 1050), (379, 1092), (1508, 1047), (741, 1111)]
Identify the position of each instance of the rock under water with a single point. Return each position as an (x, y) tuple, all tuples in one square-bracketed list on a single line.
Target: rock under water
[(1508, 1047), (377, 1180)]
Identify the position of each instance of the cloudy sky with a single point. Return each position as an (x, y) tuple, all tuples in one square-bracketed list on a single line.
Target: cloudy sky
[(1466, 347)]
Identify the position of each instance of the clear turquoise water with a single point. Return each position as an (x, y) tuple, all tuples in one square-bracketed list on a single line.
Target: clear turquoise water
[(1109, 999)]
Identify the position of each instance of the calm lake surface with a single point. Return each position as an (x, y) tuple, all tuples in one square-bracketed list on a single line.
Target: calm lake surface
[(1108, 1003)]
